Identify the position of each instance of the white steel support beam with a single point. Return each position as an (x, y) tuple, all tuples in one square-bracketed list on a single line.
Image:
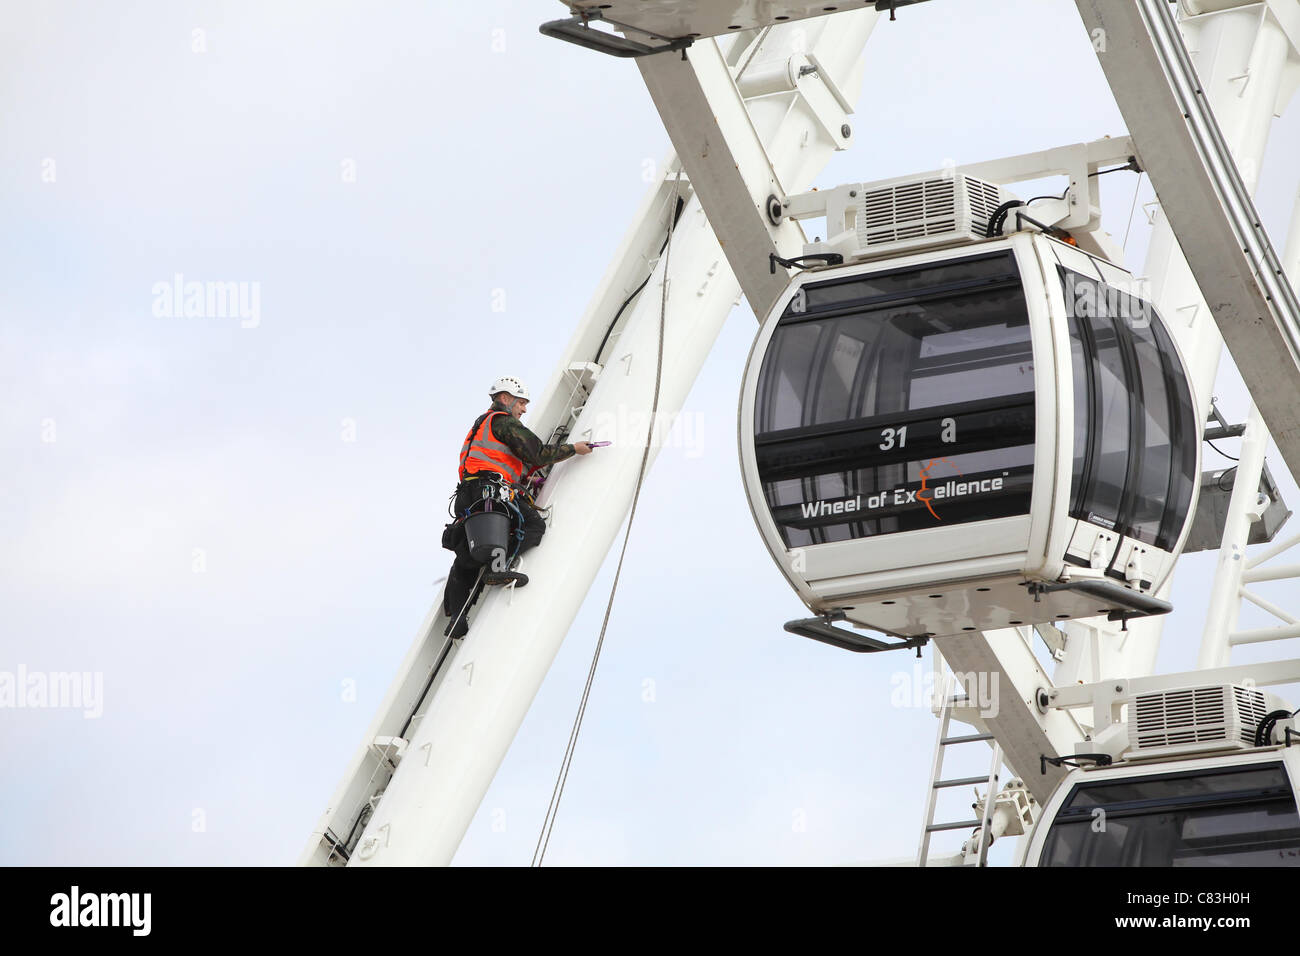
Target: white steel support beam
[(1077, 161), (1269, 606), (1201, 192), (1272, 551), (431, 655), (475, 711), (1245, 507), (413, 807), (1024, 732), (1229, 48), (720, 151), (1116, 689), (720, 138), (1284, 572), (1082, 203), (1263, 635)]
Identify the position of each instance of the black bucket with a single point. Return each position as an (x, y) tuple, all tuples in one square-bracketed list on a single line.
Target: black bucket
[(485, 533)]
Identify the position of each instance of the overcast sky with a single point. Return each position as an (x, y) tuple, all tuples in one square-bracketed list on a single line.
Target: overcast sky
[(234, 518)]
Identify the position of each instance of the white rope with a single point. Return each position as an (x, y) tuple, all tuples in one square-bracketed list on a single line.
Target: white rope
[(548, 823), (1129, 227)]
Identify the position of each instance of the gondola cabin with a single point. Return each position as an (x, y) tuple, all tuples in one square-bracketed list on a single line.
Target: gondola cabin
[(969, 438)]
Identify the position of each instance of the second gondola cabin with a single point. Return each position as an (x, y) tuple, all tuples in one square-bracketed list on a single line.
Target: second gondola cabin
[(970, 438)]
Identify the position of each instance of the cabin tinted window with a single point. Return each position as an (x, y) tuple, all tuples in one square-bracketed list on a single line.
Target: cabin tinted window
[(1134, 428), (1239, 816), (898, 400)]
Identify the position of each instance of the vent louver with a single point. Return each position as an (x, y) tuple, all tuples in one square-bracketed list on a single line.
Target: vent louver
[(1191, 719), (924, 213)]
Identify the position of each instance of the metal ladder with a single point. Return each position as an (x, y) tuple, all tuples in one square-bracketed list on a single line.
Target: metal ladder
[(942, 742)]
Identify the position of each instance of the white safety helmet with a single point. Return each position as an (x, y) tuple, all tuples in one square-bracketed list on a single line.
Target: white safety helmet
[(510, 385)]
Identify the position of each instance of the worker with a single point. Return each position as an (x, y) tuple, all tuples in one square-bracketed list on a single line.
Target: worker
[(498, 447)]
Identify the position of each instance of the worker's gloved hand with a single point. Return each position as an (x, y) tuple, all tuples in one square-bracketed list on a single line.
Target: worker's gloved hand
[(582, 448)]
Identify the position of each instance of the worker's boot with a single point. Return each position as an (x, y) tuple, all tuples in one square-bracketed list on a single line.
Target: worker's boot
[(512, 576), (459, 631), (517, 578)]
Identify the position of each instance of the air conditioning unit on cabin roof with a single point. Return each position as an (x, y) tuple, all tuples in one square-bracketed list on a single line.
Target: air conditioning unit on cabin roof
[(1196, 719), (912, 213)]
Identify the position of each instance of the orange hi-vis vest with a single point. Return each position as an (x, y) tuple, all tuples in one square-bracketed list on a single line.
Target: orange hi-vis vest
[(482, 452)]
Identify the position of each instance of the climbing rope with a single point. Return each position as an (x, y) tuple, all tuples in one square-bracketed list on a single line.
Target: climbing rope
[(548, 823), (1129, 228)]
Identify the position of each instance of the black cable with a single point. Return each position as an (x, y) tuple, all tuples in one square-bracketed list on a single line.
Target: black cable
[(677, 214), (626, 302), (1223, 453), (1131, 165), (1046, 229), (998, 217), (826, 258), (1036, 198), (1264, 731)]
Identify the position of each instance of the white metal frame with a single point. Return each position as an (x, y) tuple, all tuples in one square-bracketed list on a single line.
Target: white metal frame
[(1081, 205), (774, 133), (1196, 171)]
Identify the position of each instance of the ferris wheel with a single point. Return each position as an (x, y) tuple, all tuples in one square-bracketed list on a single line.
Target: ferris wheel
[(966, 426)]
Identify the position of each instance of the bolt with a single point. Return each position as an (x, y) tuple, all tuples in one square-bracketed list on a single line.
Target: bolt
[(846, 130), (1119, 688), (775, 210)]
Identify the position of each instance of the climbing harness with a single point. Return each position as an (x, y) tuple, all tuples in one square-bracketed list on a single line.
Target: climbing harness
[(485, 535)]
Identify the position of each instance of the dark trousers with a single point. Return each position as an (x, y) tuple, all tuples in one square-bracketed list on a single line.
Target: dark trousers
[(465, 570)]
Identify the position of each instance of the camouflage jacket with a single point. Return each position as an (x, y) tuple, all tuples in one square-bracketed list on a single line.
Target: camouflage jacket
[(523, 444)]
